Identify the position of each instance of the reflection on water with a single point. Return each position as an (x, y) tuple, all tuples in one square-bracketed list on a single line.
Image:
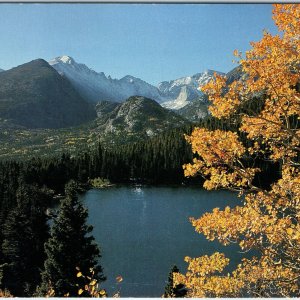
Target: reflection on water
[(138, 190), (144, 231)]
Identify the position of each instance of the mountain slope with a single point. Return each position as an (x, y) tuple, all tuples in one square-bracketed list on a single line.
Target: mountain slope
[(235, 74), (34, 95), (103, 108), (195, 110), (96, 87), (1, 70)]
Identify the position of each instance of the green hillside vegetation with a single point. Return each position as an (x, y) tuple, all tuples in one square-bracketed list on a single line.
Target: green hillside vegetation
[(136, 119)]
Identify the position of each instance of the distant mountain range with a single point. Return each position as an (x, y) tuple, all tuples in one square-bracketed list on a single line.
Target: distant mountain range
[(63, 93), (64, 106), (96, 87)]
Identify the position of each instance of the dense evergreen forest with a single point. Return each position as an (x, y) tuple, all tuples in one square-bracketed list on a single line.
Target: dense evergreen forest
[(29, 188)]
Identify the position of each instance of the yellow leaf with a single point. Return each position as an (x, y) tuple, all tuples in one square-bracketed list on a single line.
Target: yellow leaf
[(289, 231), (269, 207), (79, 274), (93, 282), (80, 291)]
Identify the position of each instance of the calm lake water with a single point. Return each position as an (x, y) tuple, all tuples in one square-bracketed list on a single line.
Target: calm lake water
[(144, 231)]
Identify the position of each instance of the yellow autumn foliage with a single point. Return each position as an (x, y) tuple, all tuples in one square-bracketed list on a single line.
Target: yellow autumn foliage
[(267, 221)]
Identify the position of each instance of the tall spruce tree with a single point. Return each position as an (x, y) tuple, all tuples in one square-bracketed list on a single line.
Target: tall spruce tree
[(172, 291), (17, 246), (70, 247), (24, 234)]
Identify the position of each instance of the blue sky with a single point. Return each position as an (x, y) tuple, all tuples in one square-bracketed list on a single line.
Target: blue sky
[(154, 42)]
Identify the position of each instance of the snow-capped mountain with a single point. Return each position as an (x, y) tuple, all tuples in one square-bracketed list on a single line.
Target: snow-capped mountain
[(184, 90), (96, 87), (1, 70)]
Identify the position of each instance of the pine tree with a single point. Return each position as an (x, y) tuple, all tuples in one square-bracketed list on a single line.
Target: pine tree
[(174, 292), (16, 251), (70, 248), (24, 234)]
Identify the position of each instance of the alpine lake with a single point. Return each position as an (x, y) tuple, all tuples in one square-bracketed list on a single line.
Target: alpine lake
[(143, 231)]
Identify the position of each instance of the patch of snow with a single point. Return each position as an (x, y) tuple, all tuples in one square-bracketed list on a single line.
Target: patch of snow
[(66, 59)]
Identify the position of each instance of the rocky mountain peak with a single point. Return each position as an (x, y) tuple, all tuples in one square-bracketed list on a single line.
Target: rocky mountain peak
[(137, 115)]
